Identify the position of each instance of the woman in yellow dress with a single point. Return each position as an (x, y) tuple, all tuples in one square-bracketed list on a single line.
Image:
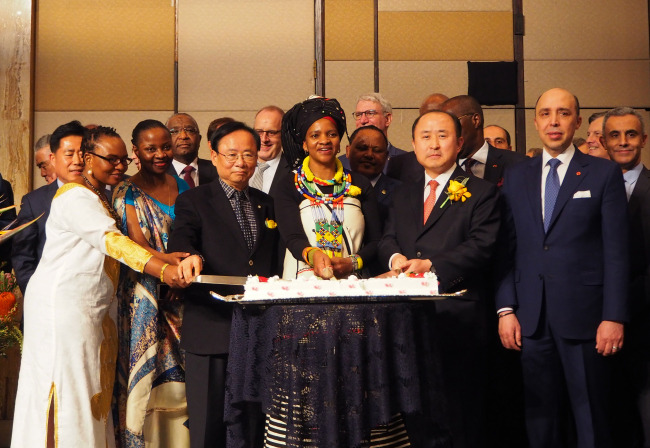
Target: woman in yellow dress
[(67, 371)]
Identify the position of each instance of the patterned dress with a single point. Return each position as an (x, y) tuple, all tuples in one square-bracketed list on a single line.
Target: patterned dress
[(70, 343), (150, 384)]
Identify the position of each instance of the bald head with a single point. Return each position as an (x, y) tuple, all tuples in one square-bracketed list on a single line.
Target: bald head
[(432, 102), (470, 114)]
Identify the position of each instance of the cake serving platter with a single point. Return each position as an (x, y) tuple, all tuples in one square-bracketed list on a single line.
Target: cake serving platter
[(239, 298)]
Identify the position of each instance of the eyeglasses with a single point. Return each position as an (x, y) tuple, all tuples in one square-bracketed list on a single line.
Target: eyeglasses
[(188, 130), (464, 115), (232, 157), (115, 161), (270, 133), (368, 113)]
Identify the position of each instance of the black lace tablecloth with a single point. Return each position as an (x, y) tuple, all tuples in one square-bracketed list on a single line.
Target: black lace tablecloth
[(341, 369)]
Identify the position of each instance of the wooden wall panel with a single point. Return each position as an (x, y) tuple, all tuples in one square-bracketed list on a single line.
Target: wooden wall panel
[(245, 54), (445, 36), (586, 30), (445, 5), (345, 81), (596, 83), (349, 30), (116, 55)]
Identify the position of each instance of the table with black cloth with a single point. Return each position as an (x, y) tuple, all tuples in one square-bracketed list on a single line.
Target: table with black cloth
[(336, 370)]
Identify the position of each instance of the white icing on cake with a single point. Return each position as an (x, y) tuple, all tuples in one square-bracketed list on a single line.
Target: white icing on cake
[(276, 288)]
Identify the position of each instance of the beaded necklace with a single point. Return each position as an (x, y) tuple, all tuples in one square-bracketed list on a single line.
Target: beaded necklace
[(329, 233), (102, 197)]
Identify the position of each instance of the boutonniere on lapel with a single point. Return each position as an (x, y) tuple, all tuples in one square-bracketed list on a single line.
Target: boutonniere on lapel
[(270, 224), (457, 191)]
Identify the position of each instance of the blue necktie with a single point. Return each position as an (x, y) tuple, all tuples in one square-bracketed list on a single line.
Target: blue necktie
[(551, 189)]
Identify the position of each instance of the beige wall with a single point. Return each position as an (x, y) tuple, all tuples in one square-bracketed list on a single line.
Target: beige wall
[(236, 56)]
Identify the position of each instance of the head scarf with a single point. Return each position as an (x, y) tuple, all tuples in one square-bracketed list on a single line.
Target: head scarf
[(297, 121)]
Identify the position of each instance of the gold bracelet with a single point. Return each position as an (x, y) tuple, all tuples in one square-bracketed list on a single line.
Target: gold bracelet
[(162, 272)]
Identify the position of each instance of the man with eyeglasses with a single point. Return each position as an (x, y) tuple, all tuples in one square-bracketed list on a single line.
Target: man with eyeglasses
[(65, 143), (186, 140), (225, 227), (271, 166), (477, 156), (374, 109)]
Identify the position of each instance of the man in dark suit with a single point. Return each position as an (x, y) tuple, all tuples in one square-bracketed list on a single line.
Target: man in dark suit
[(271, 166), (186, 140), (478, 156), (65, 144), (227, 228), (624, 137), (562, 300), (455, 238)]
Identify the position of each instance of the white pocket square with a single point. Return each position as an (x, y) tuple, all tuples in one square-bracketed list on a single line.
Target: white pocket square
[(582, 194)]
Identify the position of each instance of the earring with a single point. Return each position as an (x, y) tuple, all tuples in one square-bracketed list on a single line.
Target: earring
[(90, 172)]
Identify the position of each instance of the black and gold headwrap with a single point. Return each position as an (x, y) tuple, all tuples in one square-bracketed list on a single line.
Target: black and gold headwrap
[(299, 118)]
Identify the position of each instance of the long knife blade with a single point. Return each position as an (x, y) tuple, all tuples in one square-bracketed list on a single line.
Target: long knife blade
[(220, 279)]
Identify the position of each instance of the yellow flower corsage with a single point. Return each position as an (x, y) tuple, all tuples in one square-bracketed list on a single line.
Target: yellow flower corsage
[(457, 191), (354, 191), (270, 224)]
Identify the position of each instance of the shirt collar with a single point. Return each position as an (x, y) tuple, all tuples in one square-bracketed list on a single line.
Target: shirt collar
[(631, 176), (480, 155), (442, 179), (273, 162), (230, 191), (180, 165), (565, 157)]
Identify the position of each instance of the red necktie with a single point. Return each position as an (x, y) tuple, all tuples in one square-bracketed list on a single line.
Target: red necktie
[(431, 199), (469, 163), (187, 175)]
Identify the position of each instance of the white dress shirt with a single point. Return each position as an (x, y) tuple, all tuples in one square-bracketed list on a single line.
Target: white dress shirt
[(180, 166), (480, 156), (631, 176), (269, 173)]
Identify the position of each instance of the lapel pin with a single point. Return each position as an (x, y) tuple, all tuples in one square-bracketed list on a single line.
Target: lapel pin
[(383, 191), (578, 173), (494, 166), (259, 206)]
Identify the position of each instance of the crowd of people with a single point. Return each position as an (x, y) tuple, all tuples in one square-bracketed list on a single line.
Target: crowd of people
[(548, 346)]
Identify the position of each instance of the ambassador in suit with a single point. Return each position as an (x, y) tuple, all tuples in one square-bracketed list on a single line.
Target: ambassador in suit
[(562, 300), (67, 160), (186, 140), (624, 138), (227, 227), (271, 166), (455, 238)]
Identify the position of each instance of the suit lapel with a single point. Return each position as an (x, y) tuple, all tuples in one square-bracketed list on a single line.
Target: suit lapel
[(534, 175), (437, 211), (221, 204), (577, 171), (493, 165), (641, 191)]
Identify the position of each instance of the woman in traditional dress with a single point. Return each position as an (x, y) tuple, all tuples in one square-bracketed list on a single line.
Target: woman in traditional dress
[(67, 371), (151, 376), (327, 216)]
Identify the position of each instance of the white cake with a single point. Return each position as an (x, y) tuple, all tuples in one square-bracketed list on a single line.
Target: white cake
[(257, 288)]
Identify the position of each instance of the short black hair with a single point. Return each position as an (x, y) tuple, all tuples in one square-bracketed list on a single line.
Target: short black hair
[(231, 127), (369, 127), (65, 130), (503, 129), (457, 125), (92, 136), (145, 125)]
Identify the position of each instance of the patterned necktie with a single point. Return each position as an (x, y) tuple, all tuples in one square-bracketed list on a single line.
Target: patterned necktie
[(257, 181), (469, 163), (431, 199), (187, 175), (551, 189), (243, 220)]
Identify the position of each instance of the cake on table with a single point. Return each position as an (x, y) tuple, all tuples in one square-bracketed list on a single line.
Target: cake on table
[(260, 288)]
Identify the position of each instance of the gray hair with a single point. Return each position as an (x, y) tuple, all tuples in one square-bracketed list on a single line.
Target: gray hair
[(377, 98), (621, 112), (42, 142)]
